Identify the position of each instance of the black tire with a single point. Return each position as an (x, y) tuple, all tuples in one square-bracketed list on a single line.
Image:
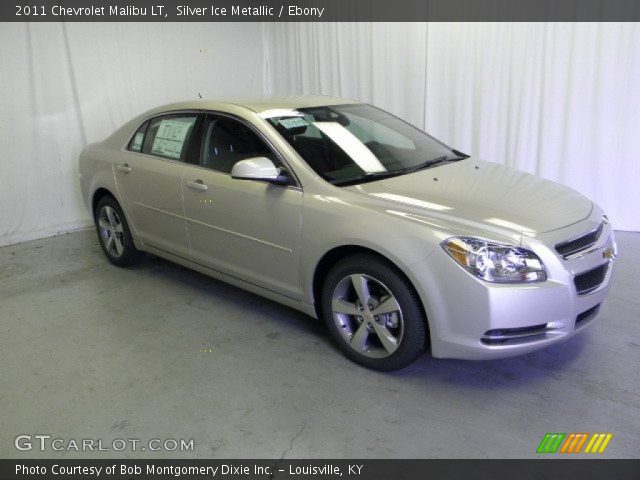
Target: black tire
[(129, 254), (412, 342)]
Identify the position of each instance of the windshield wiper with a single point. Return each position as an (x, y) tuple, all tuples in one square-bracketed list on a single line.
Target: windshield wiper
[(367, 177), (373, 176), (428, 164), (437, 161)]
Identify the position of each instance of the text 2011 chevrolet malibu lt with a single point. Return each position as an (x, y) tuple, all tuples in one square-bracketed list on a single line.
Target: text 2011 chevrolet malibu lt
[(347, 213)]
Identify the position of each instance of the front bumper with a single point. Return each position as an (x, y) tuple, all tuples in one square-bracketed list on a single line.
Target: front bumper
[(476, 320)]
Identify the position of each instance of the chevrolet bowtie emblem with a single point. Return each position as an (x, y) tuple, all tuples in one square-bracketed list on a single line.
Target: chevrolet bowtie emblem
[(609, 253)]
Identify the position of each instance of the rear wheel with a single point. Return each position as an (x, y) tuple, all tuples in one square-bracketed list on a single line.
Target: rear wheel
[(114, 234), (373, 313)]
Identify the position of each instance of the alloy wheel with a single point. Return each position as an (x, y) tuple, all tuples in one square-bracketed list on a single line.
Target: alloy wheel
[(111, 231), (367, 315)]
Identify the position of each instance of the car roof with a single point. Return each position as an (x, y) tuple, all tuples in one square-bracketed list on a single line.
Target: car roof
[(291, 102), (260, 104)]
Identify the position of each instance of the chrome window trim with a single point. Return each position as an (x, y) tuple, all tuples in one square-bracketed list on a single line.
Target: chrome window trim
[(165, 159), (124, 148), (281, 157), (150, 117)]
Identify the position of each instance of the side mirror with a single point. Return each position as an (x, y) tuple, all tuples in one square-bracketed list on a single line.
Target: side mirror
[(258, 168)]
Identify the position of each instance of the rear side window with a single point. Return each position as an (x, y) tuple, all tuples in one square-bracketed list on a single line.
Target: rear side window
[(135, 145), (168, 136)]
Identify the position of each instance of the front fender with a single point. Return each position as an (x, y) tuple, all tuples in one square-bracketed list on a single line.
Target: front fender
[(328, 224)]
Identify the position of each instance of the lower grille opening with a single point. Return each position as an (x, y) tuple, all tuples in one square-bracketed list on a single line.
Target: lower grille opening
[(587, 314), (501, 336), (590, 280)]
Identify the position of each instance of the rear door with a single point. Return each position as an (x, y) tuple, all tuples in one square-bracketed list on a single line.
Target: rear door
[(150, 180), (244, 228)]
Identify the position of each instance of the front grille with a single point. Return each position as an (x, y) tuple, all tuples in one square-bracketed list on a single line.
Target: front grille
[(588, 281), (571, 247)]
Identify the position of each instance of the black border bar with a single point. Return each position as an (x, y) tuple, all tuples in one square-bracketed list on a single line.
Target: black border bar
[(552, 469), (321, 10)]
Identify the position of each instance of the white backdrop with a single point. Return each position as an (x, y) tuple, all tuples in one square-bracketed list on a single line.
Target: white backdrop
[(559, 100), (65, 85)]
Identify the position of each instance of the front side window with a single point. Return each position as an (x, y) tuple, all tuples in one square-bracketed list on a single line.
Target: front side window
[(227, 141), (348, 144), (168, 136)]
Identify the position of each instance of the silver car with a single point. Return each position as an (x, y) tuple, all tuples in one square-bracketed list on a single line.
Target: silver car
[(345, 212)]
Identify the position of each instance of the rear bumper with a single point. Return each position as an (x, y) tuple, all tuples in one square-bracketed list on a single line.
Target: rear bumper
[(476, 320)]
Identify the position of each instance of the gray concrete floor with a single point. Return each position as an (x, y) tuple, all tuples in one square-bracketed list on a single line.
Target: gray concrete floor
[(92, 351)]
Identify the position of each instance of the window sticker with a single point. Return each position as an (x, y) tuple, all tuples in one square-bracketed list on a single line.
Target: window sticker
[(171, 135), (290, 123), (137, 141)]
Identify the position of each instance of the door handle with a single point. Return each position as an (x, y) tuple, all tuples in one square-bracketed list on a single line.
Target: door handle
[(197, 185), (124, 167)]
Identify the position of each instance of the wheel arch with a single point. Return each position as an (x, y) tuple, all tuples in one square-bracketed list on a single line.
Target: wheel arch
[(99, 193), (336, 254)]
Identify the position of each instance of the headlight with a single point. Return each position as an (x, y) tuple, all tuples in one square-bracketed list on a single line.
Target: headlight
[(494, 262)]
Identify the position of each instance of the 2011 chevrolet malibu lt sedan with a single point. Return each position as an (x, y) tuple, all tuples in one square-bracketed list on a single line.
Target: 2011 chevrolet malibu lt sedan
[(345, 212)]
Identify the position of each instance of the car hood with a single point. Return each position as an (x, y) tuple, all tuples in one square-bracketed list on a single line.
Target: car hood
[(485, 192)]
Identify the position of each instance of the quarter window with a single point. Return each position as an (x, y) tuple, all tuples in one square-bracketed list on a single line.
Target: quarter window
[(135, 145), (227, 141), (168, 136)]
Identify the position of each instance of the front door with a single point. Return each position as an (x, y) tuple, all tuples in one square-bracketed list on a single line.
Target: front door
[(247, 229)]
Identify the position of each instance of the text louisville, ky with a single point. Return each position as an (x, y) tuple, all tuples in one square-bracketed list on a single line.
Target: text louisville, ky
[(223, 470)]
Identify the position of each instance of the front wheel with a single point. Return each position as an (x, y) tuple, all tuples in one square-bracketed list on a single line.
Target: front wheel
[(114, 234), (373, 313)]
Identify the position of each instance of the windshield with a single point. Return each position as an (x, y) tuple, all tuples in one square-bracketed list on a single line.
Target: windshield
[(355, 143)]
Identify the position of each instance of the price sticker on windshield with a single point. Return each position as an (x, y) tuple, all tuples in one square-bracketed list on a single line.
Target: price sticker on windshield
[(290, 123)]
